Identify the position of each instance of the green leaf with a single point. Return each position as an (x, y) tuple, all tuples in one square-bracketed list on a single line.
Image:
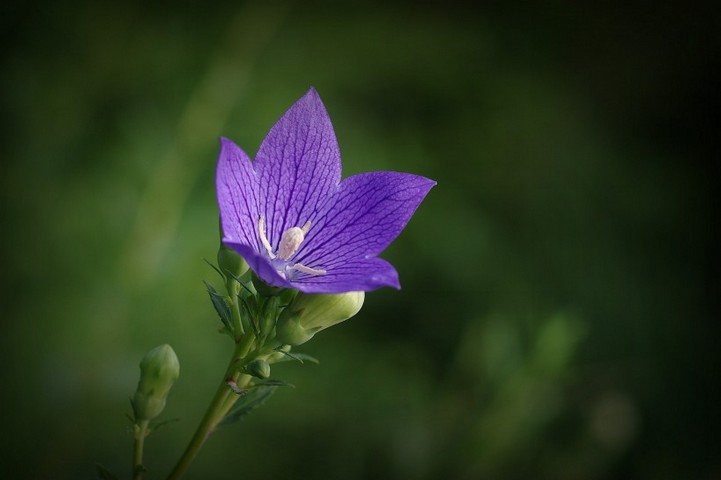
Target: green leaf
[(156, 426), (104, 473), (248, 402), (221, 307)]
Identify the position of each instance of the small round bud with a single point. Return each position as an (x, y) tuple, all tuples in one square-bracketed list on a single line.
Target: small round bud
[(310, 313), (159, 369), (258, 368)]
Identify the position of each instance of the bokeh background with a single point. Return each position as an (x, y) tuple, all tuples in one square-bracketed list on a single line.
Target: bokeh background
[(558, 317)]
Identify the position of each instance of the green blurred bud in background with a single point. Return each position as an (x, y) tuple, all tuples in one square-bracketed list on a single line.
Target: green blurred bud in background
[(159, 369), (310, 313)]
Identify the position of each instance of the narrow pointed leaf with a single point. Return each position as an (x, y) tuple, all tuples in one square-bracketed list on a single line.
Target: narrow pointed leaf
[(221, 307)]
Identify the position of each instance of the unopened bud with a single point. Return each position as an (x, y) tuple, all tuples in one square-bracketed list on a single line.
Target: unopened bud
[(230, 262), (258, 368), (310, 313), (159, 369)]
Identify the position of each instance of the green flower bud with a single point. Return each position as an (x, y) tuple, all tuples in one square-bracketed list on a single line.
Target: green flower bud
[(159, 369), (310, 313), (258, 368), (230, 262)]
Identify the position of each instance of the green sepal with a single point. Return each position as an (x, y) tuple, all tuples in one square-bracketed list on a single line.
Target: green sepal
[(214, 268), (264, 289), (221, 306), (298, 357), (104, 473), (268, 316), (248, 402)]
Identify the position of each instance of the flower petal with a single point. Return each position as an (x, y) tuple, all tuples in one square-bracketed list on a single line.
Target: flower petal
[(298, 166), (361, 274), (362, 218), (237, 190)]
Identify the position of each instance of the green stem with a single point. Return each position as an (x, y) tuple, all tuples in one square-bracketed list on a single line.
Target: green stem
[(207, 425), (141, 431), (217, 410)]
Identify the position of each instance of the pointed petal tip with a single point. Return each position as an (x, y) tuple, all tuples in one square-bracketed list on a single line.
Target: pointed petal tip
[(312, 100), (225, 141), (312, 92), (228, 145)]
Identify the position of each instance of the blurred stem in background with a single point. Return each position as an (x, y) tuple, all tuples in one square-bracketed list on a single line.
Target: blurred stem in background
[(230, 67), (140, 431)]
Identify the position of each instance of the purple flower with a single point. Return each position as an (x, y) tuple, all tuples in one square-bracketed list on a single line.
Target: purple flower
[(296, 223)]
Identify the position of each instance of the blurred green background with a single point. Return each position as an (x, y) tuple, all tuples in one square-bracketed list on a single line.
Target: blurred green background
[(558, 312)]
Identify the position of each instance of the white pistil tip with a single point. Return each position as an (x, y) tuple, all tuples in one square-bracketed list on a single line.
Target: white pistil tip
[(290, 242)]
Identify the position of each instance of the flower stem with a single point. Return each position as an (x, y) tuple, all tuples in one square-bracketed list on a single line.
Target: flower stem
[(141, 431), (207, 425)]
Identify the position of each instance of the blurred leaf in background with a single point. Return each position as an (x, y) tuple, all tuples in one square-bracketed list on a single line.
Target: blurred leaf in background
[(558, 315)]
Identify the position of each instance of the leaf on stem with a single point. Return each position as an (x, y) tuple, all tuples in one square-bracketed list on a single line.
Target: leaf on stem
[(248, 402)]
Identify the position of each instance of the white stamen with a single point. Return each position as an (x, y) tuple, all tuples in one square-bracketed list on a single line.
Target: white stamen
[(308, 270), (263, 238)]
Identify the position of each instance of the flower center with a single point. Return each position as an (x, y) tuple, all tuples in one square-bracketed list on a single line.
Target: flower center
[(289, 244)]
